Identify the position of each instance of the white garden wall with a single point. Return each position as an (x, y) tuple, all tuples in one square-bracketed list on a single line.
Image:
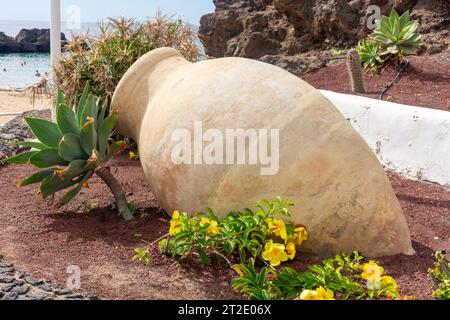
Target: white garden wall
[(410, 140)]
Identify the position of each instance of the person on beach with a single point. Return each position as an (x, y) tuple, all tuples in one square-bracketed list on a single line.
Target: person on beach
[(4, 69), (37, 74)]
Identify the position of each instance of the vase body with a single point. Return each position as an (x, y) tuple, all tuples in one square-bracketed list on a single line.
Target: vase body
[(340, 190)]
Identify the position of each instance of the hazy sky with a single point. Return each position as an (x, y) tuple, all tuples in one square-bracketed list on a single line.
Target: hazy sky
[(95, 10)]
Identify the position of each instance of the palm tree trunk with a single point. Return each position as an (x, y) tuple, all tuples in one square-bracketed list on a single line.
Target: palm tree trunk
[(117, 191)]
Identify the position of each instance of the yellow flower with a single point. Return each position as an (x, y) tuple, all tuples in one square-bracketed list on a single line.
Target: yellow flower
[(371, 270), (290, 250), (300, 235), (174, 227), (175, 224), (133, 156), (213, 226), (308, 295), (390, 284), (324, 294), (278, 228), (275, 253), (319, 294)]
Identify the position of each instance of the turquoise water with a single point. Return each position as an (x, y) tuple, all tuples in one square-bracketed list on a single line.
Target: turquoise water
[(18, 76)]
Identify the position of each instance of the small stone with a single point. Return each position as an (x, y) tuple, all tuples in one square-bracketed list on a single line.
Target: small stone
[(6, 288), (6, 279), (62, 292), (45, 287), (32, 281), (6, 265), (10, 296), (22, 274), (74, 296), (36, 296), (9, 270), (19, 282), (21, 290)]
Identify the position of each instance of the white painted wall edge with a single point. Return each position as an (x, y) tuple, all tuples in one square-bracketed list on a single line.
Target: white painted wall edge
[(412, 141)]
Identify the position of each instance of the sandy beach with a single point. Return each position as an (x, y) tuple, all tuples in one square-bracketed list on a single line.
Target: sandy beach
[(15, 101)]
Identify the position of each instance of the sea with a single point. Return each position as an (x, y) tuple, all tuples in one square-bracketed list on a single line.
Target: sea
[(18, 71)]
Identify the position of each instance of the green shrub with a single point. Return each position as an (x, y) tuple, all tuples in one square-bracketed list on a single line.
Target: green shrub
[(397, 35), (103, 60), (72, 149), (244, 235), (440, 276), (394, 37), (370, 56), (342, 277)]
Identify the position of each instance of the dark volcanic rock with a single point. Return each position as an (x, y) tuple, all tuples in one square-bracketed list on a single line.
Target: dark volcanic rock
[(27, 41), (13, 288), (8, 44), (283, 32)]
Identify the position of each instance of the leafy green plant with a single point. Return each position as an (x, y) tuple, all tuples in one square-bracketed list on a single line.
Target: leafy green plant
[(103, 60), (246, 234), (394, 37), (440, 276), (72, 149), (370, 55), (397, 35), (344, 276), (239, 236)]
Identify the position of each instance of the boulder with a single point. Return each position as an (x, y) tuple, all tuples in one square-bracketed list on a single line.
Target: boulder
[(290, 28), (28, 41)]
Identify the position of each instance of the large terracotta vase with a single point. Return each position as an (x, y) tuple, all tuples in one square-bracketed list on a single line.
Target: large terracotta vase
[(340, 190)]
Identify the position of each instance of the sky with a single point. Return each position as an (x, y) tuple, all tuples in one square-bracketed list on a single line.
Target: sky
[(95, 10)]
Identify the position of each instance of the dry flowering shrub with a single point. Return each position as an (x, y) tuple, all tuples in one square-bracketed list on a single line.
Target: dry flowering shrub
[(103, 60)]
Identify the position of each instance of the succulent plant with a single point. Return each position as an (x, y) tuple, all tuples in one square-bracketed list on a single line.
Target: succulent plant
[(369, 54), (72, 149), (397, 35), (355, 71)]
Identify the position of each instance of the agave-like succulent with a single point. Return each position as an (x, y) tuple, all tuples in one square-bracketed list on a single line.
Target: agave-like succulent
[(72, 149), (369, 53), (397, 35)]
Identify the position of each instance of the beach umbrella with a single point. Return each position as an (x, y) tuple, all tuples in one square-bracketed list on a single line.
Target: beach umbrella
[(55, 31)]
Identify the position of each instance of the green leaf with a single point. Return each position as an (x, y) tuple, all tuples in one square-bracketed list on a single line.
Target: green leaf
[(32, 144), (82, 104), (90, 110), (203, 256), (22, 158), (60, 100), (66, 120), (105, 130), (113, 149), (47, 158), (37, 177), (75, 168), (70, 148), (47, 132), (88, 137), (53, 184), (74, 192)]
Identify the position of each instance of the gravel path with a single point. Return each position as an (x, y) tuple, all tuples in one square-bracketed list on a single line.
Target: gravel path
[(19, 285)]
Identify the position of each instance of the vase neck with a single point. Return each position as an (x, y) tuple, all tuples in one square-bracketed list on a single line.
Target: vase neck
[(137, 87)]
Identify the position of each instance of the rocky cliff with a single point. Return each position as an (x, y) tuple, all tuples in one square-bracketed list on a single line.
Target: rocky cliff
[(297, 34), (27, 41)]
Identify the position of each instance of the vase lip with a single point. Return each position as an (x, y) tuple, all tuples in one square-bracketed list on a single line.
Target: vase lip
[(147, 61), (129, 125)]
